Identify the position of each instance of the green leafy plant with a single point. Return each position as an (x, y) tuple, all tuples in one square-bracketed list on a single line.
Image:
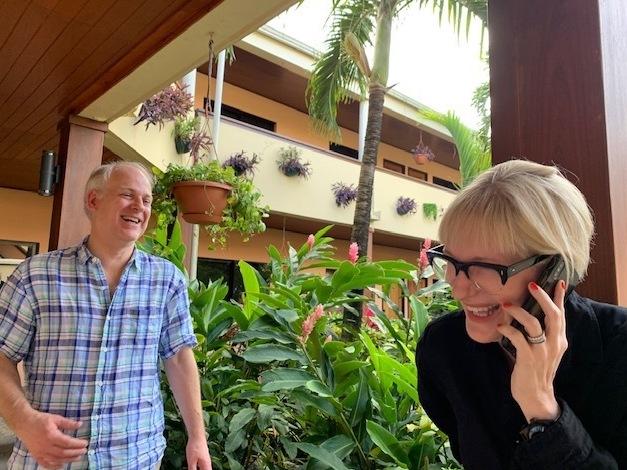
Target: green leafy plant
[(244, 212), (184, 129), (281, 390), (430, 210)]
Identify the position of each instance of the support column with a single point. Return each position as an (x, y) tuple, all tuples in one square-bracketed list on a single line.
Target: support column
[(80, 152), (363, 123), (217, 108), (557, 95)]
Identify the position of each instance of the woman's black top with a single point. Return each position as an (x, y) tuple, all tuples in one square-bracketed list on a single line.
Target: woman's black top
[(464, 387)]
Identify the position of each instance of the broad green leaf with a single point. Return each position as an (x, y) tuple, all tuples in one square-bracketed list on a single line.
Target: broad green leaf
[(322, 455), (234, 441), (251, 286), (329, 406), (387, 443), (241, 419), (284, 379), (347, 367), (262, 353), (318, 387), (265, 333), (362, 403)]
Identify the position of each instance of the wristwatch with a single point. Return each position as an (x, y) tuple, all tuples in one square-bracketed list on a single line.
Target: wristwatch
[(536, 426)]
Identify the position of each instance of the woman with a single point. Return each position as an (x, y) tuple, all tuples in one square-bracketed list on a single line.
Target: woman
[(560, 402)]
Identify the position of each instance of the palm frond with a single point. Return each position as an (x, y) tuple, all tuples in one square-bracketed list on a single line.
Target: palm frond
[(335, 72), (461, 12), (473, 157)]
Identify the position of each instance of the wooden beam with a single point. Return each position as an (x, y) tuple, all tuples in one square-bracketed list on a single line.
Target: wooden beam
[(80, 152), (557, 96)]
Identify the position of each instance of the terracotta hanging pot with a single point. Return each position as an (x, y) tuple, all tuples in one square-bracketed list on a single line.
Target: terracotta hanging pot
[(421, 158), (201, 202)]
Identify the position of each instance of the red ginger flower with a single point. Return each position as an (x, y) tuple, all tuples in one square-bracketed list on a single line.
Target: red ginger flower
[(353, 252), (310, 322)]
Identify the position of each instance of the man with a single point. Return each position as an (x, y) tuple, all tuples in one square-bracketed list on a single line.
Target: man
[(91, 323)]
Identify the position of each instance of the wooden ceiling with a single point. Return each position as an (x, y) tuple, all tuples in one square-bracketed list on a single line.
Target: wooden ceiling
[(265, 78), (57, 56)]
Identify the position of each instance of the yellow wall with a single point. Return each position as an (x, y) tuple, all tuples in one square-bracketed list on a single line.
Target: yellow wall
[(25, 216), (296, 125)]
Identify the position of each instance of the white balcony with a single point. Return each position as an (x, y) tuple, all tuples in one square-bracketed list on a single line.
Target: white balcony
[(310, 198)]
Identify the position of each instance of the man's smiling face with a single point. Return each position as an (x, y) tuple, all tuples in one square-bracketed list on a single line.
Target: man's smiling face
[(121, 209)]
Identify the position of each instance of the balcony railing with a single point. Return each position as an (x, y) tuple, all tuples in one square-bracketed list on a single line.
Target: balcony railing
[(312, 197)]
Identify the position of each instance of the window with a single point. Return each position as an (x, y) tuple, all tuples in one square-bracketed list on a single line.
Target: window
[(228, 271), (12, 252), (342, 149), (243, 116), (397, 167), (444, 183), (14, 249), (419, 175)]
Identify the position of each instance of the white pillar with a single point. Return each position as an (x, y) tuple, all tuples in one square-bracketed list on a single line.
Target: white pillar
[(217, 107), (363, 123), (189, 81)]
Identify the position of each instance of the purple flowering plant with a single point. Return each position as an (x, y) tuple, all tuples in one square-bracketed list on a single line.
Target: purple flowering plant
[(170, 103), (406, 205), (291, 164), (344, 193), (241, 163)]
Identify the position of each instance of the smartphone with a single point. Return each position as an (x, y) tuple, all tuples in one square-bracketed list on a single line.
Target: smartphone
[(554, 272)]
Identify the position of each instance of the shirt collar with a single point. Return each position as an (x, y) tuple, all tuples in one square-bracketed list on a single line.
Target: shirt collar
[(85, 256)]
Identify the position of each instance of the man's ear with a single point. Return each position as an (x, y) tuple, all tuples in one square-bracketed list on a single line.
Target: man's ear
[(91, 201)]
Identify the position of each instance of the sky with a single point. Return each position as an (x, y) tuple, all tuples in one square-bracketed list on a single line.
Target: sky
[(429, 62)]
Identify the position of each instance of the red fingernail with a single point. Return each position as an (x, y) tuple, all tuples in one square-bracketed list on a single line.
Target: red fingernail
[(533, 286), (507, 305)]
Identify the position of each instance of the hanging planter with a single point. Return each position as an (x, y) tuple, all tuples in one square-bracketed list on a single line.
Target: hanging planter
[(406, 205), (201, 202), (182, 145), (422, 153), (291, 164), (344, 194)]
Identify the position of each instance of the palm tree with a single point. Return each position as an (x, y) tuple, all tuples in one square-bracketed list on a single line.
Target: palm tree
[(344, 65), (474, 154)]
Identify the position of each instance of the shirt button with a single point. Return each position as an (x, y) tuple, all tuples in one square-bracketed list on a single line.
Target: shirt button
[(96, 417), (91, 452), (99, 384), (105, 349)]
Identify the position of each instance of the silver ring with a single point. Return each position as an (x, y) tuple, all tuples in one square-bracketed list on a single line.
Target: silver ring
[(536, 339)]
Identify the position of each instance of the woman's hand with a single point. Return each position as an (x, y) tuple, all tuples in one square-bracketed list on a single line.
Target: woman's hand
[(536, 364)]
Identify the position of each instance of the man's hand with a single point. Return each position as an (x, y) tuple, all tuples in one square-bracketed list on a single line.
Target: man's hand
[(42, 434), (198, 454)]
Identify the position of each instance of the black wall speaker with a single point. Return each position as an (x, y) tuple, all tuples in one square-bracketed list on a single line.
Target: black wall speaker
[(48, 174)]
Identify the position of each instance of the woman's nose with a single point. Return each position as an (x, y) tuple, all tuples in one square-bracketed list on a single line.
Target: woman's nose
[(461, 285)]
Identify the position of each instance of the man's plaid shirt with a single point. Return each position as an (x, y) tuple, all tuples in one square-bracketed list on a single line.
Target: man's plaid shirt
[(93, 358)]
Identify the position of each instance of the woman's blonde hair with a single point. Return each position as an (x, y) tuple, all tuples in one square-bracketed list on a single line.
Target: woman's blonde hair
[(520, 208)]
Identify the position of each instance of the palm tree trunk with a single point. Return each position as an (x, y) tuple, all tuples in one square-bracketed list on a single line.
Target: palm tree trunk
[(377, 90)]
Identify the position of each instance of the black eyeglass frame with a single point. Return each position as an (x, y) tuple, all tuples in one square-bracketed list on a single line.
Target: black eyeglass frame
[(505, 272)]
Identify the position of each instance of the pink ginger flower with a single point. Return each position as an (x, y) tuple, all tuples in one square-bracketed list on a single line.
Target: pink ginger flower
[(310, 241), (423, 260), (310, 322), (367, 319), (353, 252)]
